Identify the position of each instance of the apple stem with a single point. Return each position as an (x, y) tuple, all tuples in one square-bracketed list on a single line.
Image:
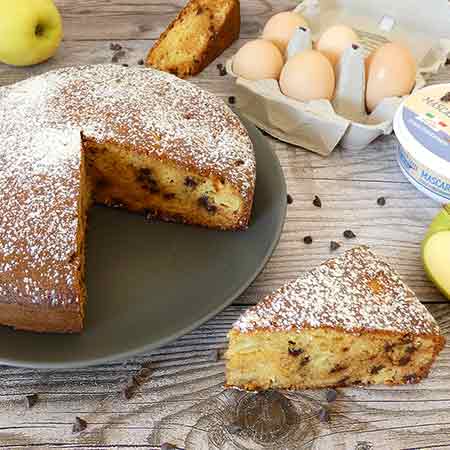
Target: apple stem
[(39, 30)]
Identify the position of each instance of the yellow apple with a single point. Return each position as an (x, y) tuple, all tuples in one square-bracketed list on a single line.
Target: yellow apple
[(30, 31), (436, 251)]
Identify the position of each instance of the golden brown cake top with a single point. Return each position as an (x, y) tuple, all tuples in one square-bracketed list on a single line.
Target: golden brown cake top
[(41, 122), (355, 292)]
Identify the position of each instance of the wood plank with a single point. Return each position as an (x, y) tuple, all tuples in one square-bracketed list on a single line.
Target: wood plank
[(144, 19), (184, 403)]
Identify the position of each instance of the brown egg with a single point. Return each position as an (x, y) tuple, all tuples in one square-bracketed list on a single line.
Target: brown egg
[(258, 60), (281, 27), (308, 76), (335, 40), (391, 72)]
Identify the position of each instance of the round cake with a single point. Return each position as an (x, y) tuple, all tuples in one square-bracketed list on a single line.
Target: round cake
[(134, 138)]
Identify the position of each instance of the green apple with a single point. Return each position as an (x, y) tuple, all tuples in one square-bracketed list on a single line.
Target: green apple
[(436, 251), (30, 31)]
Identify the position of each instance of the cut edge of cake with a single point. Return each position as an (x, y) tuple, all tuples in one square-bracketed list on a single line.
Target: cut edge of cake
[(299, 337), (199, 34)]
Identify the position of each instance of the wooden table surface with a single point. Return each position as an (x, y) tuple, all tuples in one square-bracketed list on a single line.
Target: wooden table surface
[(183, 402)]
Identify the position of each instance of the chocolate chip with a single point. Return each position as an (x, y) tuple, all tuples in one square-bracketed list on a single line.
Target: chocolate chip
[(348, 234), (338, 368), (324, 415), (205, 202), (355, 46), (169, 196), (222, 70), (307, 240), (317, 202), (219, 66), (404, 360), (376, 369), (79, 425), (125, 65), (290, 200), (231, 99), (331, 395), (446, 97), (334, 245), (411, 378), (295, 351), (239, 162), (115, 47), (305, 360), (141, 62), (381, 201), (30, 400), (190, 182)]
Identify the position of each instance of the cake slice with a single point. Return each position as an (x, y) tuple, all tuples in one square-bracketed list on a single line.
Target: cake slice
[(350, 321), (200, 33)]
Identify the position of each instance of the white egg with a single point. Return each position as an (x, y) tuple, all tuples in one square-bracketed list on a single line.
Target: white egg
[(308, 76), (335, 40), (258, 60), (280, 28)]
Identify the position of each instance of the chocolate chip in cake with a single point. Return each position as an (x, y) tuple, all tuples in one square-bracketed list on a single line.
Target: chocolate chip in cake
[(190, 182), (141, 62), (169, 195), (125, 65), (411, 378), (305, 360), (334, 245), (239, 162), (324, 415), (381, 201), (231, 99), (376, 369), (348, 234), (307, 240), (289, 199), (79, 425), (338, 368), (295, 351), (30, 400), (147, 181), (404, 360), (115, 47), (317, 202), (205, 202), (388, 347), (331, 395)]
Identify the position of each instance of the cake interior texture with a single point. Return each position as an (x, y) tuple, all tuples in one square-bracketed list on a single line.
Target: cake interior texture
[(318, 358)]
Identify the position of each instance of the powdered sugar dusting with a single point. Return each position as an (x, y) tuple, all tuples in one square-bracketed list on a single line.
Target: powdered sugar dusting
[(354, 292), (42, 121)]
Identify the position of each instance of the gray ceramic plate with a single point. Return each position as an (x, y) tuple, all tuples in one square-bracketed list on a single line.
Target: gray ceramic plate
[(150, 283)]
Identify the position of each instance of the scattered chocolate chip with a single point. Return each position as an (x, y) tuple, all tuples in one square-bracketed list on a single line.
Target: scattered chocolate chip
[(446, 97), (234, 428), (168, 446), (169, 195), (141, 62), (239, 162), (79, 425), (338, 368), (331, 395), (190, 182), (334, 245), (404, 360), (125, 65), (290, 200), (376, 369), (307, 240), (355, 46), (381, 201), (324, 415), (295, 351), (205, 202), (317, 202), (115, 47), (231, 99), (388, 346), (30, 400), (348, 234)]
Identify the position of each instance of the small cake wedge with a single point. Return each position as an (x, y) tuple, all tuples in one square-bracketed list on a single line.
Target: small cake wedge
[(350, 321), (199, 34)]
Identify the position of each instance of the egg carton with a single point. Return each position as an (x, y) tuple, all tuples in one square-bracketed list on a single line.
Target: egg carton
[(321, 125)]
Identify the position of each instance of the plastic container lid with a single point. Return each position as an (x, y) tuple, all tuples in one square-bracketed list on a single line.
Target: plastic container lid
[(422, 126)]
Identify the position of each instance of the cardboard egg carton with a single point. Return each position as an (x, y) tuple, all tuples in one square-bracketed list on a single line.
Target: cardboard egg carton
[(424, 27)]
